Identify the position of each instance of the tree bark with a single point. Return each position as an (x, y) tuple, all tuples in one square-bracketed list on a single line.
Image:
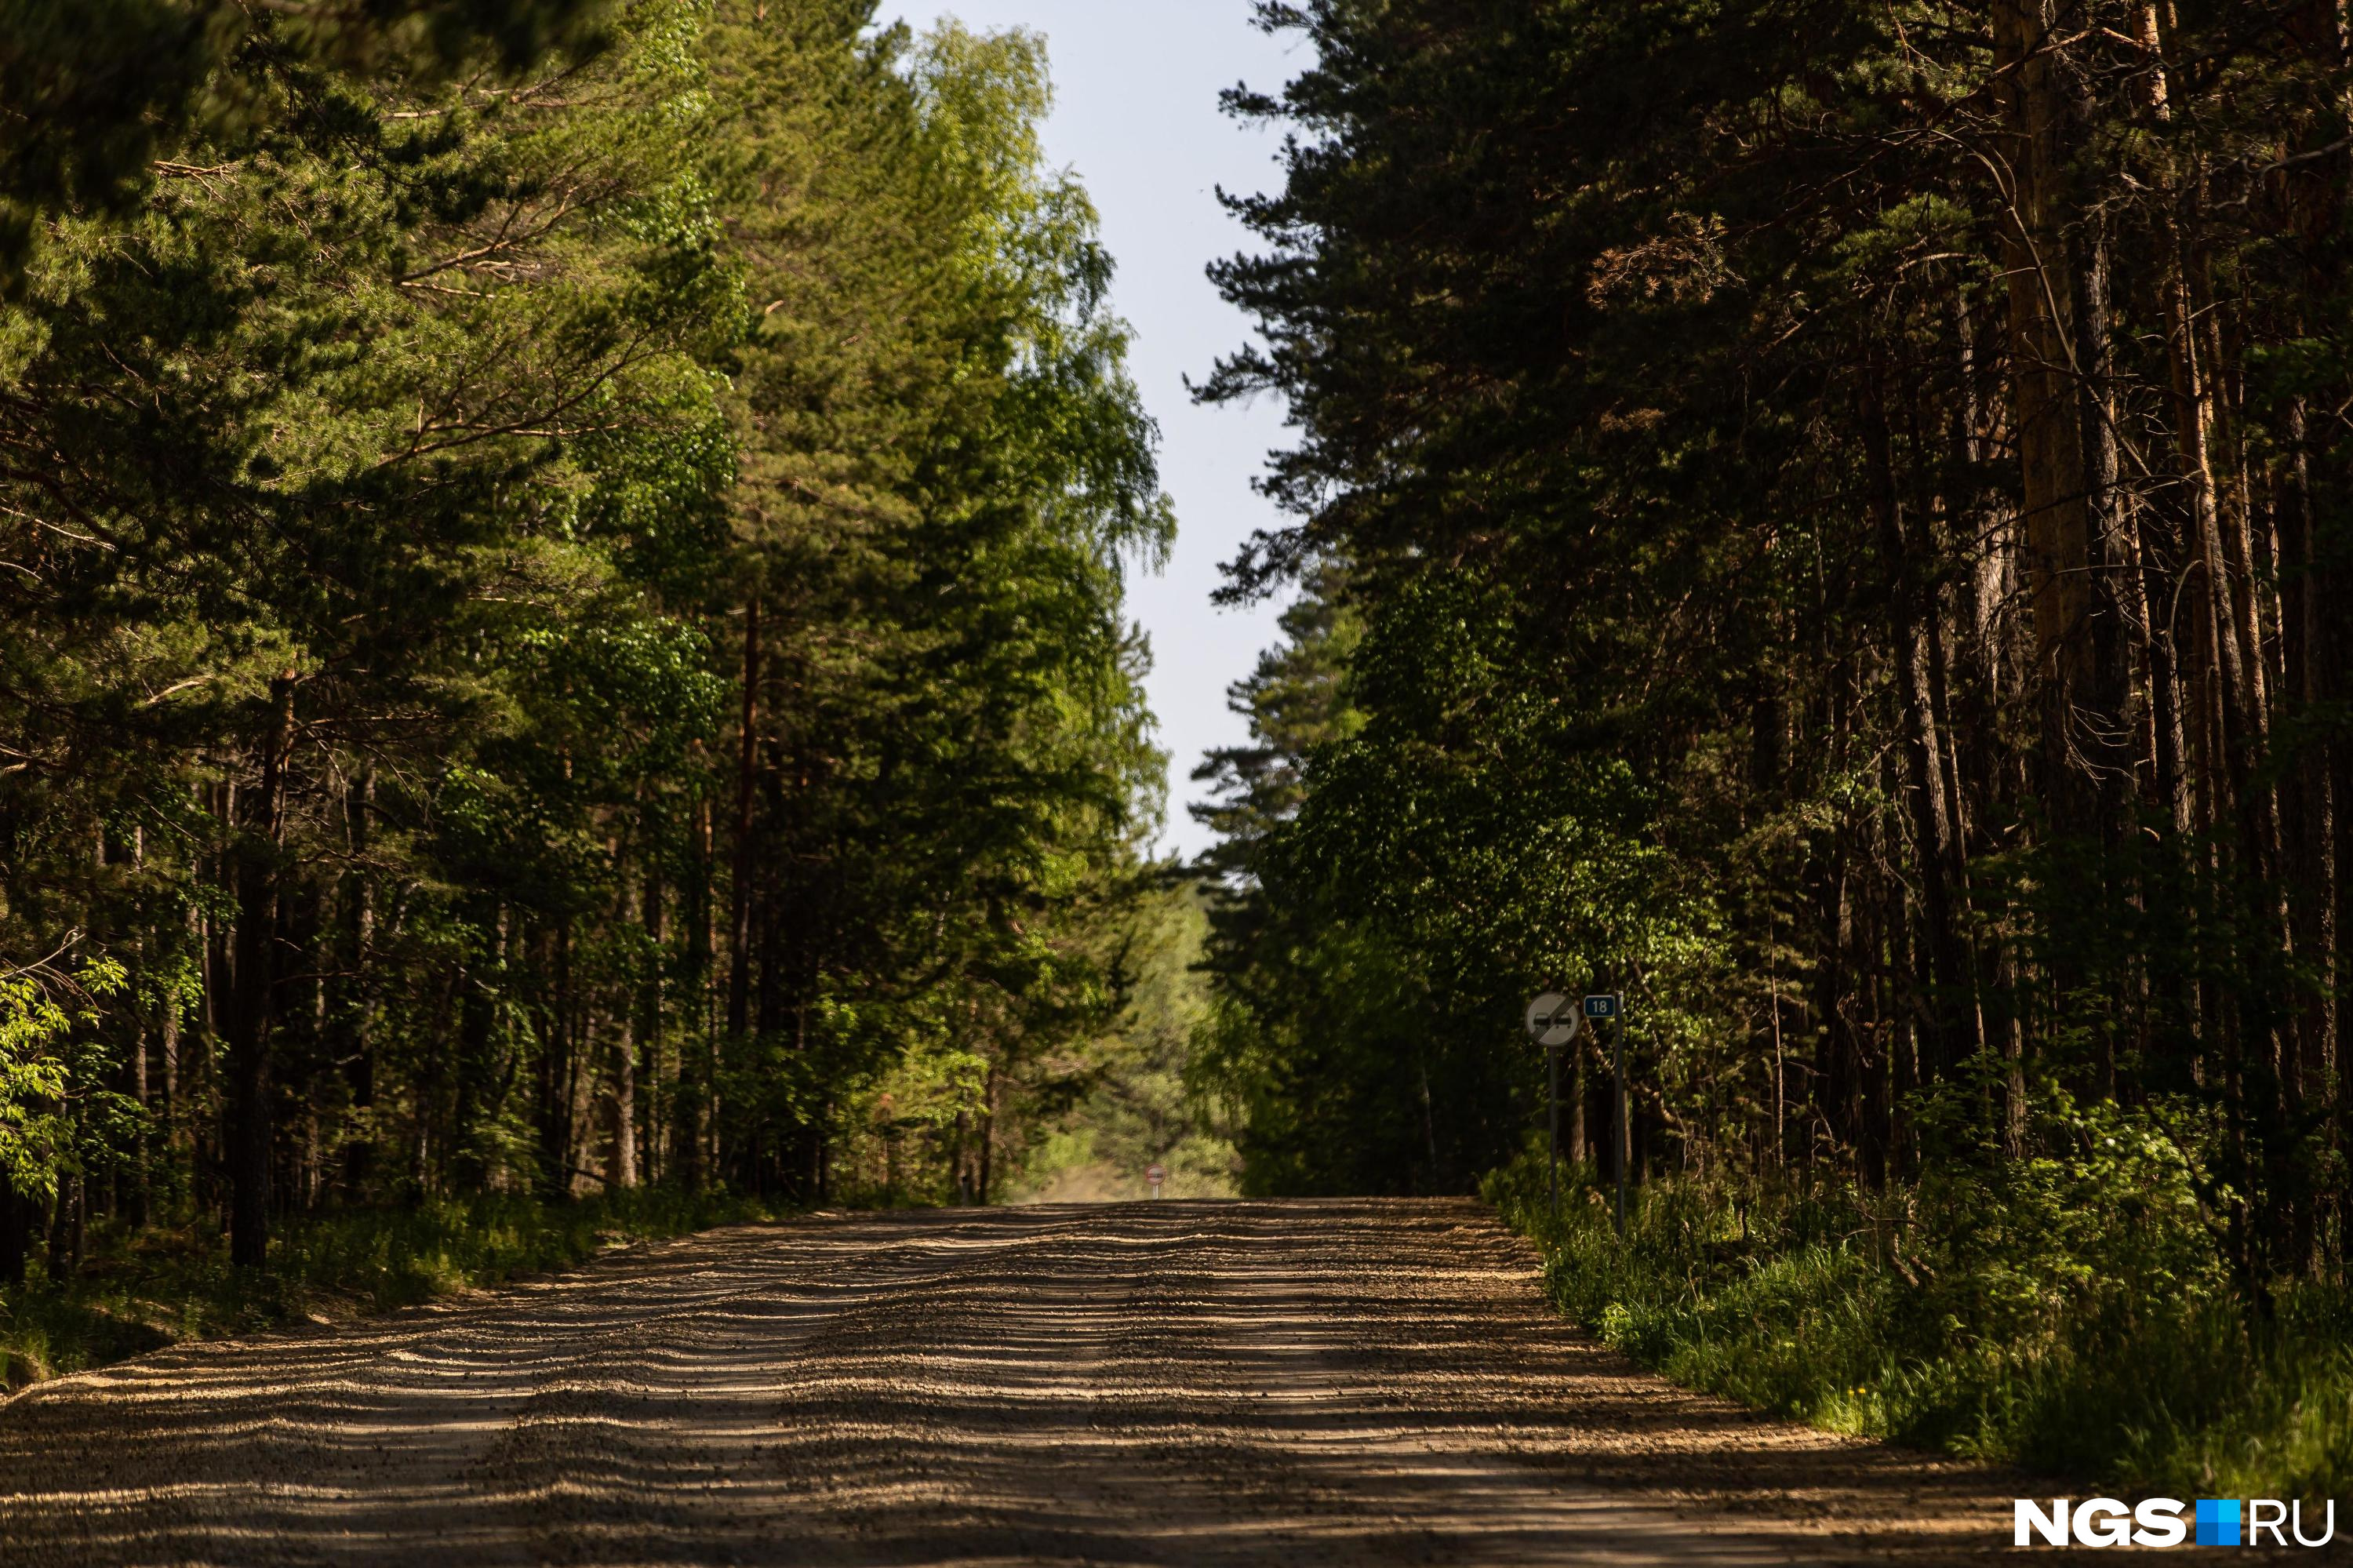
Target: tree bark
[(747, 751), (625, 1105), (16, 1232), (2038, 121), (1951, 1001), (2320, 585), (353, 1012), (66, 1227), (2107, 723), (650, 1033), (694, 1051), (257, 876)]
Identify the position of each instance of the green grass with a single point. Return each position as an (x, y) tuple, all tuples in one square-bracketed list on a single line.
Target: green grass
[(140, 1293), (1847, 1313)]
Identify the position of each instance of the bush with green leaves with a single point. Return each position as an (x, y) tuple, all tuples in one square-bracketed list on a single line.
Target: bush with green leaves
[(2066, 1314)]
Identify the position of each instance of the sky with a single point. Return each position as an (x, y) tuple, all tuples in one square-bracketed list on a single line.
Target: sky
[(1137, 117)]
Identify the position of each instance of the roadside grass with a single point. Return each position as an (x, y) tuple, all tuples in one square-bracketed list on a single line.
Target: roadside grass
[(164, 1286), (1837, 1312)]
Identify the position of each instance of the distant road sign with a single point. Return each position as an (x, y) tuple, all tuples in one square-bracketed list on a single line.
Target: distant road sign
[(1601, 1007), (1156, 1175), (1552, 1022)]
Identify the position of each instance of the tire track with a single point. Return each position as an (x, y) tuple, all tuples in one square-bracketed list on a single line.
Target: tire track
[(1200, 1385)]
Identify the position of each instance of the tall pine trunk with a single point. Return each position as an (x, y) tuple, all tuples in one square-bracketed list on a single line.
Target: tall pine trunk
[(1951, 1036), (2039, 243), (747, 762), (252, 1014)]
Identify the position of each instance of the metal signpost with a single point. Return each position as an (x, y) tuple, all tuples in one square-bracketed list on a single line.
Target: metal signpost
[(1156, 1175), (1553, 1023), (1599, 1008)]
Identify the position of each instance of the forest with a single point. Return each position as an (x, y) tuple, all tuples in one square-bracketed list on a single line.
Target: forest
[(1833, 521), (564, 664), (562, 574)]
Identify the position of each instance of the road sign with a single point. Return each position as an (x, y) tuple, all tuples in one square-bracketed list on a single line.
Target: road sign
[(1601, 1007), (1156, 1175), (1551, 1023)]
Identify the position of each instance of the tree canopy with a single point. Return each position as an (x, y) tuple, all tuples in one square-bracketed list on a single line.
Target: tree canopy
[(563, 573), (1832, 520)]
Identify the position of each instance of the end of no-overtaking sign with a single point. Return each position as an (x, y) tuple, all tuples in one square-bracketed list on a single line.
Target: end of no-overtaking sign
[(1550, 1023), (1554, 1019), (1554, 1022)]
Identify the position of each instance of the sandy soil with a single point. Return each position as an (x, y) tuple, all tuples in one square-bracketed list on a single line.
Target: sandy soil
[(1211, 1383)]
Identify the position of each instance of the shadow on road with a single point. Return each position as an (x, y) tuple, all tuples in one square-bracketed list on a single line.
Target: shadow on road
[(1344, 1382)]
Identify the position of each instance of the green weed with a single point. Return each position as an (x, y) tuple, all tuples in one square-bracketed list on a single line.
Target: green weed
[(139, 1294), (2106, 1358)]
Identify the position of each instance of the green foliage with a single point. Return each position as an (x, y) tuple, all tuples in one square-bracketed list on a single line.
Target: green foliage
[(1844, 547), (1115, 1108), (1457, 842), (47, 1062), (30, 1074), (99, 96), (2068, 1316), (566, 571)]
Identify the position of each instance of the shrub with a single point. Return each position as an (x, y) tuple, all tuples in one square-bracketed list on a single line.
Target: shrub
[(2065, 1313), (162, 1286)]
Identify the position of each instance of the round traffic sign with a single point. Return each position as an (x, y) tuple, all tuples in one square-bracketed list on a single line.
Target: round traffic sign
[(1156, 1175), (1553, 1020)]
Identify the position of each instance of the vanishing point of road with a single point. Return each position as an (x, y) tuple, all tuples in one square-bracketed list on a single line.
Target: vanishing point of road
[(1179, 1384)]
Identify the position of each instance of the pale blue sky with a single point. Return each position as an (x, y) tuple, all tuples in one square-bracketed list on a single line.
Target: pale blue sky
[(1135, 114)]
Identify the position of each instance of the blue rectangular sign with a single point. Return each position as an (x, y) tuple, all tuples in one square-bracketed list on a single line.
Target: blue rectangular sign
[(1601, 1007)]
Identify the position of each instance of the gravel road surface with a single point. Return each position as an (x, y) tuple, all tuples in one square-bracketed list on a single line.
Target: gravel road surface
[(1178, 1384)]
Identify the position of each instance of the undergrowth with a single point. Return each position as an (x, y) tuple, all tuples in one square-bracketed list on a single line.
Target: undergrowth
[(138, 1294), (2066, 1323)]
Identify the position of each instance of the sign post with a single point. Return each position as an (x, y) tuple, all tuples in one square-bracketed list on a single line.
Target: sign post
[(1552, 1023), (1552, 1158), (1156, 1175), (1599, 1008)]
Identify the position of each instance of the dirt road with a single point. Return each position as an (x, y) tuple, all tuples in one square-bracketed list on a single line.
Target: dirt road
[(1294, 1383)]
